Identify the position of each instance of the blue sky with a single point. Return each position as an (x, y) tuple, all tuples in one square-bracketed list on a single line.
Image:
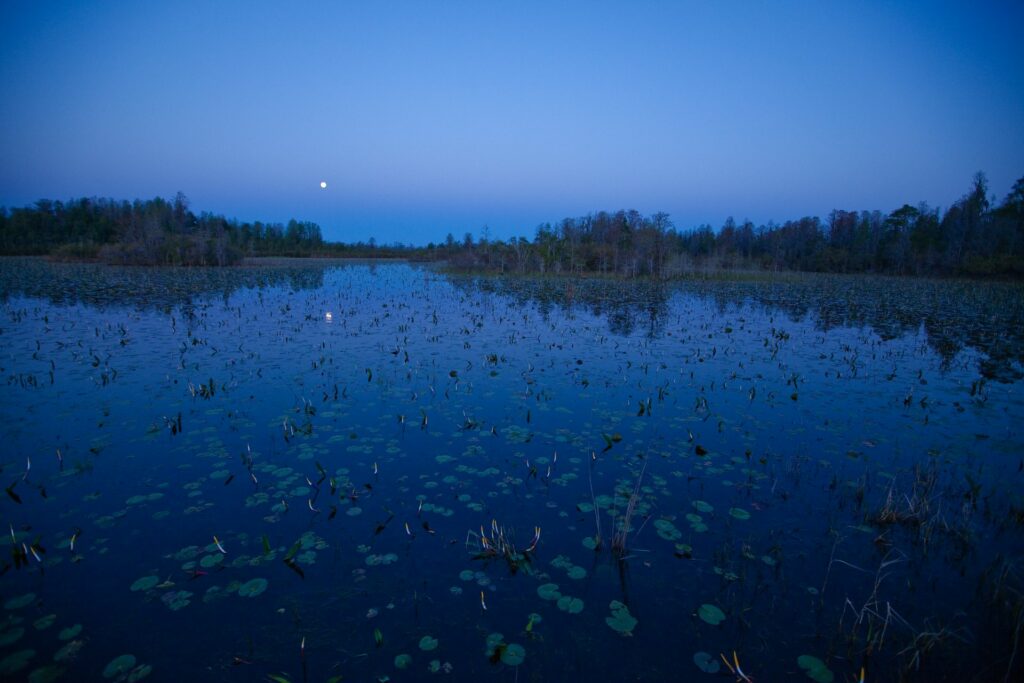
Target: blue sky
[(432, 117)]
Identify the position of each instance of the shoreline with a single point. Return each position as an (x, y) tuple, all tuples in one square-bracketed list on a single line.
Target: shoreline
[(442, 265)]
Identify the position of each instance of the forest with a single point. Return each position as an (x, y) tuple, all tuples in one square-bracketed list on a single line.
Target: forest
[(152, 232), (975, 236)]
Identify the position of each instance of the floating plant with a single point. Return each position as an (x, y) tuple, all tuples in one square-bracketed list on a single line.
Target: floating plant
[(119, 666), (706, 663), (145, 583), (252, 588), (815, 669), (620, 620), (570, 604), (711, 614)]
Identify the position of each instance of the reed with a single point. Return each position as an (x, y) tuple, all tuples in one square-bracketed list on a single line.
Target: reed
[(621, 535)]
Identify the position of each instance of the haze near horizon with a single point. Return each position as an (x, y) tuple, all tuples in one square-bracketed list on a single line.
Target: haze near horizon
[(427, 119)]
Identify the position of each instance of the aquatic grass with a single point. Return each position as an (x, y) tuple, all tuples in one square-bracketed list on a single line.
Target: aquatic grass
[(621, 536), (875, 615), (500, 545)]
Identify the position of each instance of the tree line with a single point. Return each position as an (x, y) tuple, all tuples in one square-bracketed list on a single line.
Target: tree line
[(152, 232), (974, 236)]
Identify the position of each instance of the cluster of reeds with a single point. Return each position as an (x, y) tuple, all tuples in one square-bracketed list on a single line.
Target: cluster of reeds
[(499, 544), (621, 534), (871, 620)]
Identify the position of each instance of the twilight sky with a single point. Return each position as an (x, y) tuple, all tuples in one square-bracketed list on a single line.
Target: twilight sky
[(430, 117)]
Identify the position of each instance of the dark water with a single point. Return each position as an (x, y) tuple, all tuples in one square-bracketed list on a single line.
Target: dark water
[(825, 475)]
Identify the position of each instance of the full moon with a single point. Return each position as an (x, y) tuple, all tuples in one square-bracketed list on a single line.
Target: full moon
[(323, 184)]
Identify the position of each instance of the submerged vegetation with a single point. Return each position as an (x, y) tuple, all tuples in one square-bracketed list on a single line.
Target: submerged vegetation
[(381, 472)]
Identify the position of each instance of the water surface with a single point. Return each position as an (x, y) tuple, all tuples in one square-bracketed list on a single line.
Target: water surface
[(825, 475)]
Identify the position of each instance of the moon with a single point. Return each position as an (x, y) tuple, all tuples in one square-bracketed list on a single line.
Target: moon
[(323, 184)]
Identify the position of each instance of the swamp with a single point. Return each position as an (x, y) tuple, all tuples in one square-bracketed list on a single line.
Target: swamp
[(328, 470)]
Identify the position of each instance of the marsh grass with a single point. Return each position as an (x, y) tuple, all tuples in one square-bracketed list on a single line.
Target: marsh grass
[(621, 536)]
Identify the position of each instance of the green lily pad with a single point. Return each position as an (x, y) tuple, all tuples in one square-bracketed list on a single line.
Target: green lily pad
[(513, 654), (211, 560), (815, 669), (621, 620), (706, 662), (46, 674), (428, 643), (403, 661), (69, 651), (250, 589), (16, 661), (20, 601), (569, 604), (11, 636), (548, 591), (701, 506), (119, 666), (711, 614), (145, 583), (176, 600), (69, 632), (493, 641), (44, 622), (739, 513), (138, 673)]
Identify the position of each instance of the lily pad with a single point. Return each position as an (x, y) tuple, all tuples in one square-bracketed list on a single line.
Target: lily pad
[(209, 561), (711, 614), (493, 641), (145, 583), (513, 654), (16, 661), (69, 632), (815, 669), (46, 674), (119, 666), (548, 591), (706, 662), (569, 604), (576, 572), (20, 601), (621, 620), (44, 622), (138, 673), (428, 643), (739, 513), (250, 589), (403, 661), (69, 651), (11, 635), (176, 600)]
